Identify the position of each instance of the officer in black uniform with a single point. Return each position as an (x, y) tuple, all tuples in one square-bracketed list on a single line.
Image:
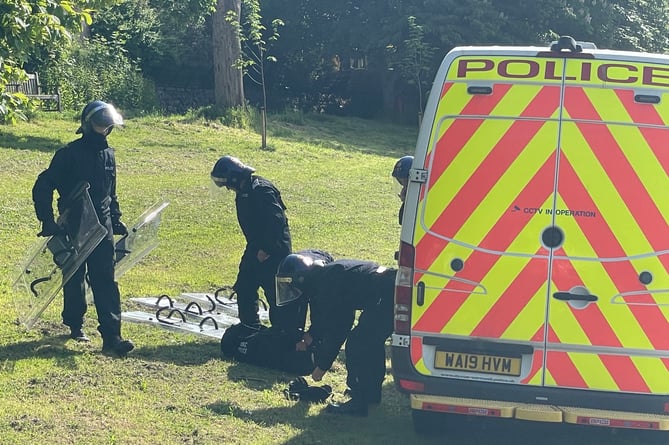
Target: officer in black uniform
[(297, 310), (262, 218), (335, 292), (401, 175), (88, 159)]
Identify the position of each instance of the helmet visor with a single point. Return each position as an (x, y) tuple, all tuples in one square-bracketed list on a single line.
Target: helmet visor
[(286, 292), (219, 182), (219, 187), (104, 117)]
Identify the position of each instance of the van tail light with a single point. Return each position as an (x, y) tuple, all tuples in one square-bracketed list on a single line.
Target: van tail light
[(412, 386), (404, 289)]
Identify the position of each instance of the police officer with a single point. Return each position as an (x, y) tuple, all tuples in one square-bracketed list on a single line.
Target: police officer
[(335, 292), (88, 159), (401, 175), (262, 218), (272, 347), (298, 309)]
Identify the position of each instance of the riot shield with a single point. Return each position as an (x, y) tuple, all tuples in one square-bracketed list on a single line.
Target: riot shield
[(51, 262), (141, 239), (226, 301), (176, 320)]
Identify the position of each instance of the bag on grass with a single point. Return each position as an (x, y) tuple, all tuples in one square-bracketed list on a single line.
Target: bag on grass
[(266, 347)]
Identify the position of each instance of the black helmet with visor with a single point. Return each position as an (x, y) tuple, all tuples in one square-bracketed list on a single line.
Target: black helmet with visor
[(401, 169), (99, 117), (291, 277), (230, 172)]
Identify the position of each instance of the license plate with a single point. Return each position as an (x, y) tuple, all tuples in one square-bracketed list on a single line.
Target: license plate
[(488, 364)]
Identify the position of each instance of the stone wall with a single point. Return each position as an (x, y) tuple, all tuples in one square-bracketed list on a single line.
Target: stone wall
[(180, 100)]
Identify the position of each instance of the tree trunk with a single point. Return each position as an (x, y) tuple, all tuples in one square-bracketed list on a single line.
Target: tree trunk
[(228, 83)]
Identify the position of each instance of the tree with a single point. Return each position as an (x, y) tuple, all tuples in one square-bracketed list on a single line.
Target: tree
[(170, 40), (298, 79), (228, 81), (638, 25), (413, 61), (29, 27), (635, 25), (334, 55), (254, 50)]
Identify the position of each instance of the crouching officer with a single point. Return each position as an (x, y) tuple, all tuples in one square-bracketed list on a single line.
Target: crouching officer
[(262, 218), (88, 159), (335, 291)]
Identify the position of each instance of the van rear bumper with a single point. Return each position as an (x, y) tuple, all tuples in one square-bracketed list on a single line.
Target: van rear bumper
[(538, 413), (405, 376)]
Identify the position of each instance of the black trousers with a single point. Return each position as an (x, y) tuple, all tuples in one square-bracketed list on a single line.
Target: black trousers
[(100, 268), (254, 275), (365, 345)]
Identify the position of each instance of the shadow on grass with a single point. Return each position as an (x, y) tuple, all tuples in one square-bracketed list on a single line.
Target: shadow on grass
[(257, 378), (268, 416), (45, 348), (315, 425), (187, 354), (30, 142), (395, 410)]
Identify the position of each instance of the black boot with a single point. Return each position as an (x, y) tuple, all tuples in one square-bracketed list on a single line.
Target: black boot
[(117, 346), (372, 397), (78, 335), (354, 407)]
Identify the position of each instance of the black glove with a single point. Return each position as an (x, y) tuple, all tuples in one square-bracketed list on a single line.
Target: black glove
[(118, 228), (299, 389), (296, 388), (50, 228)]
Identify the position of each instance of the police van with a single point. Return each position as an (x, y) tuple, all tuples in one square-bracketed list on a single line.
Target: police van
[(533, 276)]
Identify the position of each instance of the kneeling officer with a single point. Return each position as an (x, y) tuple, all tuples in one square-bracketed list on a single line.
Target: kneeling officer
[(335, 291)]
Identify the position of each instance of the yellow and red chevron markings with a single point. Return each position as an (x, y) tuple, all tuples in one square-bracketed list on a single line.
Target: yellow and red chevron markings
[(586, 158)]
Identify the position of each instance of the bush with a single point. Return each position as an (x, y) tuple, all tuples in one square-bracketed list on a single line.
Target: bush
[(99, 69), (243, 117)]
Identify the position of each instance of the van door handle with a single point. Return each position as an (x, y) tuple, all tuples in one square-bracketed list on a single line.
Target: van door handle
[(568, 296), (420, 293)]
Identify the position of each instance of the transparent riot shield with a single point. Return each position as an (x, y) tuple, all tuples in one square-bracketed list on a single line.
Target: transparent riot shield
[(141, 239), (51, 262)]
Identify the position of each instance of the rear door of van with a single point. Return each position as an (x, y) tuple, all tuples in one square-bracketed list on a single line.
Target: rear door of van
[(609, 291), (541, 244)]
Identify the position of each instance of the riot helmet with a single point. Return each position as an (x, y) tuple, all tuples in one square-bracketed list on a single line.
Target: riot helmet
[(230, 172), (291, 276), (401, 169), (99, 117), (401, 174)]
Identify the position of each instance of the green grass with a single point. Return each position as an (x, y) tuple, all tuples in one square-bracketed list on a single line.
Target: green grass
[(334, 175)]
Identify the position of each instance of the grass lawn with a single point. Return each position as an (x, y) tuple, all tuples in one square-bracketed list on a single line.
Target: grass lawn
[(334, 175)]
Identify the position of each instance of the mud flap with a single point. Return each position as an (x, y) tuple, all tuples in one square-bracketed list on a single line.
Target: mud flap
[(51, 262)]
